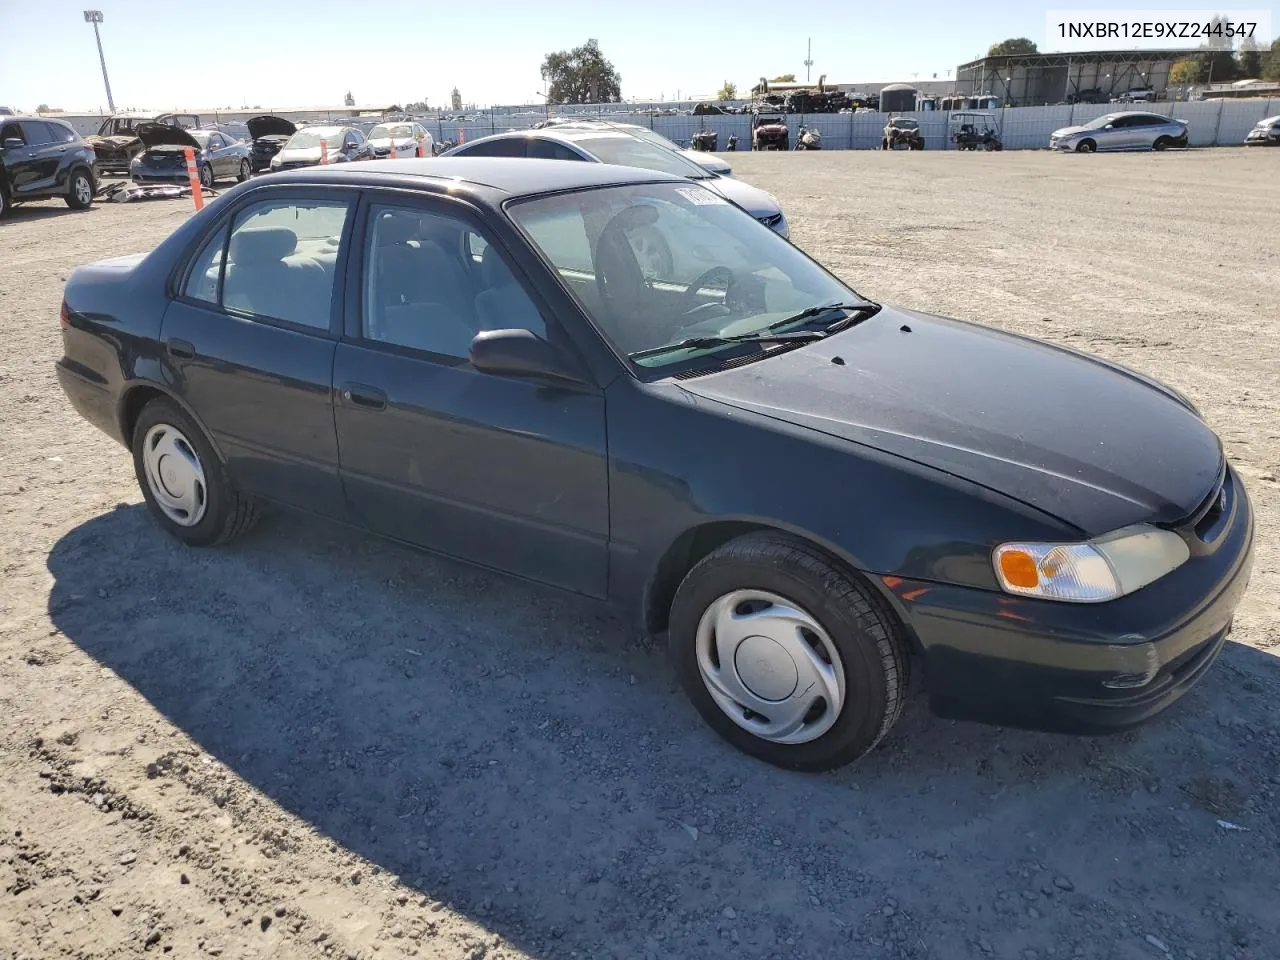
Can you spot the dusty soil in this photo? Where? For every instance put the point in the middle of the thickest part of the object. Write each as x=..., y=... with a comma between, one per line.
x=314, y=744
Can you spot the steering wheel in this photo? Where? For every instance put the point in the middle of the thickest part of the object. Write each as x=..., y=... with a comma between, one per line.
x=688, y=303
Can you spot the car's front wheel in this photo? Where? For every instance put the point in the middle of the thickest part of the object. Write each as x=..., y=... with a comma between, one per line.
x=79, y=191
x=787, y=656
x=183, y=481
x=1086, y=146
x=245, y=171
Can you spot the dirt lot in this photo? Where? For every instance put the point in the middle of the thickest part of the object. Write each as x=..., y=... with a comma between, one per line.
x=312, y=744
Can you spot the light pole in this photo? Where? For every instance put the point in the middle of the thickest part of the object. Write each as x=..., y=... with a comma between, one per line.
x=546, y=101
x=95, y=17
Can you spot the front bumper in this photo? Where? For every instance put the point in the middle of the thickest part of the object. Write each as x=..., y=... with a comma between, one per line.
x=1262, y=140
x=1081, y=668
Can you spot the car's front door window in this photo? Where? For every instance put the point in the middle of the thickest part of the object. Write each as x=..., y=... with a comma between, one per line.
x=432, y=282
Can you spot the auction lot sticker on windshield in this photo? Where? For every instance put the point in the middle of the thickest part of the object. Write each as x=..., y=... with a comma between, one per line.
x=1070, y=31
x=700, y=197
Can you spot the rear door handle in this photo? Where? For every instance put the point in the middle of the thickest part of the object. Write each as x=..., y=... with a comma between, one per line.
x=363, y=395
x=180, y=349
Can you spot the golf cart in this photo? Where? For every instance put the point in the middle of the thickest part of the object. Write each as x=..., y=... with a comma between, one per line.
x=974, y=131
x=902, y=133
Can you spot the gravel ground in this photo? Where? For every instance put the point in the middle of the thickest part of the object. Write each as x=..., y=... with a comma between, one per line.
x=314, y=744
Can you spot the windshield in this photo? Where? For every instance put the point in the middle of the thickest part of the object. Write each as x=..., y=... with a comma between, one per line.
x=311, y=138
x=200, y=138
x=627, y=151
x=905, y=124
x=385, y=131
x=654, y=264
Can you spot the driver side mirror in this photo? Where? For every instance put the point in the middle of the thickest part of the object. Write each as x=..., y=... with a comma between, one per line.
x=520, y=353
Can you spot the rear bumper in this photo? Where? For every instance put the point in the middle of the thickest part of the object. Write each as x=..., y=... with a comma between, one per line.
x=91, y=397
x=1080, y=668
x=178, y=175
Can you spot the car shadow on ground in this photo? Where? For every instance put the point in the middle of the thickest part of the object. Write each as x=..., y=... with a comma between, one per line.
x=527, y=758
x=42, y=210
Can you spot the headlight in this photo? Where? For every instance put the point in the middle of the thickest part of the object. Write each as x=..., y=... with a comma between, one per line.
x=1108, y=567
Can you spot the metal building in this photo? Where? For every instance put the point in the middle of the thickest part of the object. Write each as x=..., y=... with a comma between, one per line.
x=1039, y=78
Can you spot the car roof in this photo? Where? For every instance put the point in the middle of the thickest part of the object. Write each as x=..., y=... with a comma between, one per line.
x=20, y=117
x=514, y=176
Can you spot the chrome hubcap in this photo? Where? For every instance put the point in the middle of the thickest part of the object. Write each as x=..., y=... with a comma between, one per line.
x=770, y=666
x=174, y=475
x=83, y=192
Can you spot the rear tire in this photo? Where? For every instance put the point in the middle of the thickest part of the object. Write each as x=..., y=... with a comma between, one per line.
x=221, y=512
x=1162, y=143
x=850, y=629
x=79, y=190
x=4, y=202
x=1086, y=146
x=206, y=175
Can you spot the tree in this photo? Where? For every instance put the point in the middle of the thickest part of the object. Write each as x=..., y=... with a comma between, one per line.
x=728, y=92
x=1186, y=72
x=1271, y=65
x=349, y=100
x=581, y=75
x=784, y=78
x=1250, y=59
x=1013, y=47
x=45, y=108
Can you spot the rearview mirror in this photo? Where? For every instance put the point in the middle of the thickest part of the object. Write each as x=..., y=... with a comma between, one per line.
x=13, y=143
x=520, y=353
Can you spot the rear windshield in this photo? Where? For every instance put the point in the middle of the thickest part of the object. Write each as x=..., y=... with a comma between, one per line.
x=384, y=131
x=312, y=138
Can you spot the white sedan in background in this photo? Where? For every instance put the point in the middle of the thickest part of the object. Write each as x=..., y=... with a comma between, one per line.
x=400, y=139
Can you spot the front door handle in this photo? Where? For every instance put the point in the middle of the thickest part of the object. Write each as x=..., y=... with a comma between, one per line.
x=180, y=349
x=364, y=396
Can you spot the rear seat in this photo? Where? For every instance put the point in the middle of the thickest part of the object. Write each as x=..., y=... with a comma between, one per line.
x=265, y=278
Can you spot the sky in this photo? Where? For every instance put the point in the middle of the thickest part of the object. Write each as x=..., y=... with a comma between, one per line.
x=236, y=53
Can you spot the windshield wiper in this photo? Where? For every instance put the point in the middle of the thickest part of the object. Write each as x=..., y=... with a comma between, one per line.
x=817, y=309
x=696, y=343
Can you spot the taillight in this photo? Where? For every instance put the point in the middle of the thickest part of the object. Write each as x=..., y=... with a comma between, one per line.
x=64, y=316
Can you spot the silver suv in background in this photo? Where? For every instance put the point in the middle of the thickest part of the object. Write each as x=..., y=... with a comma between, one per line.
x=1129, y=130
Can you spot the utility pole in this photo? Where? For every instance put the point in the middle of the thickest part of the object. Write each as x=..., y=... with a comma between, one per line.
x=95, y=17
x=808, y=60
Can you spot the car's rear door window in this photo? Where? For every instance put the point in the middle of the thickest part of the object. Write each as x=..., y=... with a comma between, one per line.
x=277, y=262
x=507, y=147
x=550, y=150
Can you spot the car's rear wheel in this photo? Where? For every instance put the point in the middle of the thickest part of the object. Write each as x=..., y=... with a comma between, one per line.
x=1162, y=143
x=183, y=481
x=787, y=656
x=245, y=171
x=1086, y=146
x=206, y=175
x=4, y=202
x=79, y=190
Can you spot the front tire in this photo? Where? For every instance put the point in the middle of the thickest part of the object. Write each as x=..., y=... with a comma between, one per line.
x=1086, y=146
x=80, y=191
x=183, y=481
x=245, y=171
x=787, y=656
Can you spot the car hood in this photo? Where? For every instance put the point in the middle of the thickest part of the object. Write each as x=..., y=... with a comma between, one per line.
x=1067, y=131
x=1089, y=442
x=163, y=134
x=708, y=161
x=289, y=154
x=751, y=199
x=268, y=125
